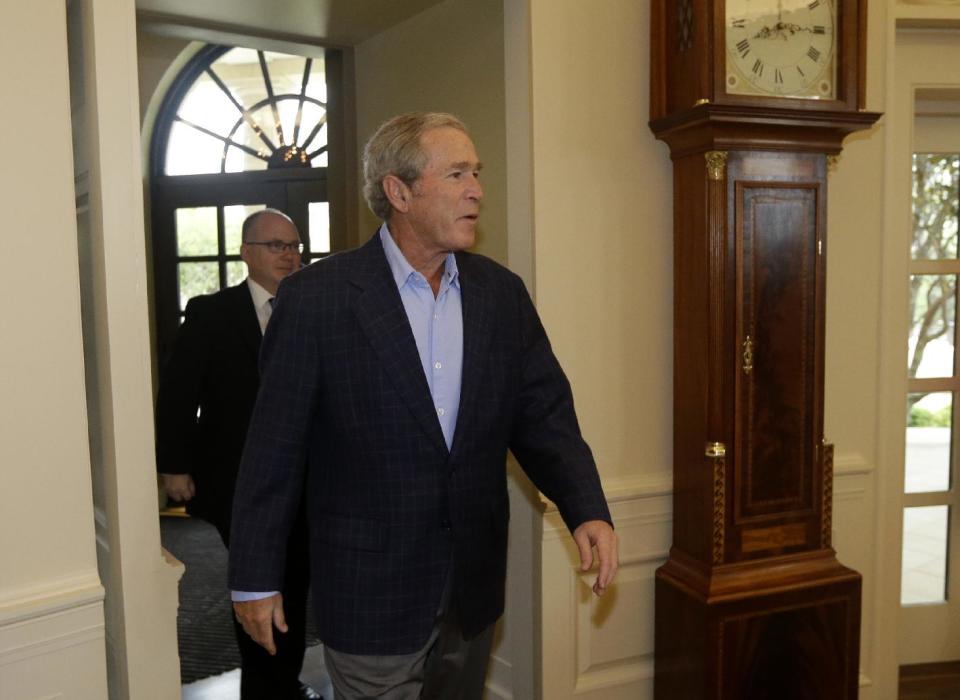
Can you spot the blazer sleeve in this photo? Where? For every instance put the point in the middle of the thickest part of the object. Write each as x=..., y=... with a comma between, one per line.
x=178, y=396
x=546, y=438
x=270, y=482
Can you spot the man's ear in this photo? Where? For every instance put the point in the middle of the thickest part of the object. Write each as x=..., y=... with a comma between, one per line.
x=398, y=193
x=244, y=252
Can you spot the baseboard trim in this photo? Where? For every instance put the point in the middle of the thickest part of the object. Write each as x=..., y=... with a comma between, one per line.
x=50, y=619
x=50, y=597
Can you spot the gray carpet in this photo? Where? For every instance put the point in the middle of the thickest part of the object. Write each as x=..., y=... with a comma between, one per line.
x=204, y=620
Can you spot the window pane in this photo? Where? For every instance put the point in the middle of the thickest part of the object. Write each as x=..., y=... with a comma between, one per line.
x=936, y=189
x=190, y=152
x=239, y=160
x=209, y=106
x=233, y=217
x=240, y=69
x=286, y=72
x=319, y=227
x=933, y=316
x=197, y=278
x=236, y=272
x=196, y=231
x=317, y=84
x=320, y=159
x=924, y=555
x=929, y=422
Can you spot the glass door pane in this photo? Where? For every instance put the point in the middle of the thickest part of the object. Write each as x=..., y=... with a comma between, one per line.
x=196, y=231
x=929, y=442
x=924, y=555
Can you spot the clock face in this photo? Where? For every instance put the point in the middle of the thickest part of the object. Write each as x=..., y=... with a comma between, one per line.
x=782, y=48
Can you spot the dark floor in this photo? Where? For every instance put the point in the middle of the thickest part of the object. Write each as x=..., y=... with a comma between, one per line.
x=204, y=619
x=930, y=681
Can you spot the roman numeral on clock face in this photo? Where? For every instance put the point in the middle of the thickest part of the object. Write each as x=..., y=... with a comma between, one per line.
x=739, y=23
x=814, y=5
x=758, y=67
x=778, y=77
x=744, y=48
x=813, y=54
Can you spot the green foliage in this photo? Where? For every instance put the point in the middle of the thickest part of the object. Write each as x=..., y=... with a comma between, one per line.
x=922, y=418
x=197, y=231
x=935, y=183
x=936, y=199
x=197, y=278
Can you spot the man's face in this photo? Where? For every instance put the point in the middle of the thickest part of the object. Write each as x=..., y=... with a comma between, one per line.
x=267, y=268
x=446, y=197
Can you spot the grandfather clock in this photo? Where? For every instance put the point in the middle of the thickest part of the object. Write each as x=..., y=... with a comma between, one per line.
x=753, y=97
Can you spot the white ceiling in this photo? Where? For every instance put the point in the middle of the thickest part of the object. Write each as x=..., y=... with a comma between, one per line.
x=333, y=22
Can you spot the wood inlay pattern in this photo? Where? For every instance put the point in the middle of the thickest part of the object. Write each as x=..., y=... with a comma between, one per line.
x=719, y=507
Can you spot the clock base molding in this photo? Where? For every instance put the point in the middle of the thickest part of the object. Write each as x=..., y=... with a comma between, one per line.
x=789, y=629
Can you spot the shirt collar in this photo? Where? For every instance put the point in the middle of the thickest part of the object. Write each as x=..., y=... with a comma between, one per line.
x=260, y=295
x=402, y=269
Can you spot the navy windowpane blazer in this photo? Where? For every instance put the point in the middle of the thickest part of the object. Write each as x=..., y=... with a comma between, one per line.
x=344, y=413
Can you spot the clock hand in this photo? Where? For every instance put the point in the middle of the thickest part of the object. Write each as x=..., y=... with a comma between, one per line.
x=781, y=30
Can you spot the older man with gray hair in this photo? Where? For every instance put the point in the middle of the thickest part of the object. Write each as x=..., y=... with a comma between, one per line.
x=395, y=377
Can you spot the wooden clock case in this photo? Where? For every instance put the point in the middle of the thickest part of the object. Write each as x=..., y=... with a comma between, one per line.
x=752, y=603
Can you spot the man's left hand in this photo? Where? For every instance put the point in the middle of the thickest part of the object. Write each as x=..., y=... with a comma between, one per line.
x=599, y=534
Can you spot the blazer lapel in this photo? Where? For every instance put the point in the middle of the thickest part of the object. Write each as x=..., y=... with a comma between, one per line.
x=477, y=303
x=383, y=319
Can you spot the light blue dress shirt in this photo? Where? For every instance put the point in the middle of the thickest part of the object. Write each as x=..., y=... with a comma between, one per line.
x=437, y=325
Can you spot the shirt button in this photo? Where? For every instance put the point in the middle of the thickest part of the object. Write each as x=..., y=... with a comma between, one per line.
x=437, y=365
x=440, y=411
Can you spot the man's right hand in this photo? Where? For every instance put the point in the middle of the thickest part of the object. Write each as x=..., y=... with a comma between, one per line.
x=179, y=487
x=259, y=617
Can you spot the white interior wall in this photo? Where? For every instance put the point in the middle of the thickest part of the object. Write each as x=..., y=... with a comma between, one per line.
x=141, y=583
x=603, y=260
x=448, y=58
x=51, y=610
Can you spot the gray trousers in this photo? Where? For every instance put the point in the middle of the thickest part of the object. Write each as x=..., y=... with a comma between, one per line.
x=446, y=668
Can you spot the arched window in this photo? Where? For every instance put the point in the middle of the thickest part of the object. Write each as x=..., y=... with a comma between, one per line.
x=239, y=129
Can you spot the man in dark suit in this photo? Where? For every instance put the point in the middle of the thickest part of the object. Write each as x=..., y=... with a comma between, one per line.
x=395, y=377
x=207, y=392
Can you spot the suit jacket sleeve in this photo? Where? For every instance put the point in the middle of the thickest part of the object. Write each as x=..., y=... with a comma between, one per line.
x=272, y=471
x=178, y=397
x=546, y=438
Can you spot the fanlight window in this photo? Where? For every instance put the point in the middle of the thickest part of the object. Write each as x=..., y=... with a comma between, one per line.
x=240, y=129
x=251, y=110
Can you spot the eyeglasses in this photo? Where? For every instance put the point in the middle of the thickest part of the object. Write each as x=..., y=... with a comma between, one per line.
x=279, y=247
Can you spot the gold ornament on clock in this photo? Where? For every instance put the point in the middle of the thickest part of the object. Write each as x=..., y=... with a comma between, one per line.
x=781, y=48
